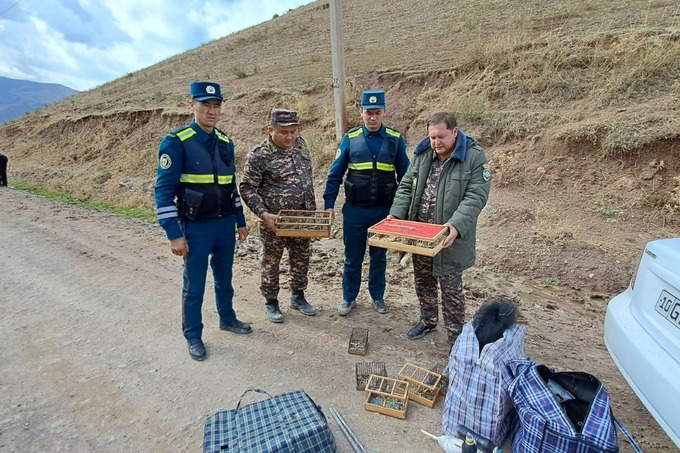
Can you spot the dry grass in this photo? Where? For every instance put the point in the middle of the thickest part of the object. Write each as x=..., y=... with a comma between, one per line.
x=578, y=75
x=617, y=138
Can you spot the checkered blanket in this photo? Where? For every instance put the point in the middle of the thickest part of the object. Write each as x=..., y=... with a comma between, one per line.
x=286, y=423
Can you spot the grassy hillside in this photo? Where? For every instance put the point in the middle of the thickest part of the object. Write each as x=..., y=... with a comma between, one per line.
x=548, y=87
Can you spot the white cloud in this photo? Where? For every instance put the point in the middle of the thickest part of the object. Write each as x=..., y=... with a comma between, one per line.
x=85, y=43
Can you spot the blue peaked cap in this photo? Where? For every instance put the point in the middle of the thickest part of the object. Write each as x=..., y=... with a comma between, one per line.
x=373, y=99
x=202, y=91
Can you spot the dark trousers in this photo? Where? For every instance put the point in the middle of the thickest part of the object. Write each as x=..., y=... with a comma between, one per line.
x=3, y=170
x=356, y=220
x=210, y=241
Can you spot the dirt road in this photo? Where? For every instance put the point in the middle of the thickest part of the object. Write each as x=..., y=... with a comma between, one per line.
x=93, y=358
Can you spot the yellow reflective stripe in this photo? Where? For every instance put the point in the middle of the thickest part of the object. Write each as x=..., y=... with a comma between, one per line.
x=369, y=166
x=392, y=132
x=356, y=133
x=197, y=179
x=221, y=136
x=186, y=133
x=205, y=179
x=361, y=166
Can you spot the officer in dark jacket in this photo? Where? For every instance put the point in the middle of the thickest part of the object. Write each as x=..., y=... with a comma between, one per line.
x=3, y=170
x=199, y=208
x=374, y=157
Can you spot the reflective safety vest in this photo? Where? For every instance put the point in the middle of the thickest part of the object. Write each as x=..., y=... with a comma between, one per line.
x=207, y=187
x=371, y=178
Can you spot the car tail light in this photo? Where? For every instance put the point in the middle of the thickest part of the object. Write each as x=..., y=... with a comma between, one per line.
x=632, y=279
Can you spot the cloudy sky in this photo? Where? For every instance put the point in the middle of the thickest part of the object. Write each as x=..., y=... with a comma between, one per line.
x=85, y=43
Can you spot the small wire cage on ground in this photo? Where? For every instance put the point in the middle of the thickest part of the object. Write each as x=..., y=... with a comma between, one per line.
x=443, y=370
x=358, y=341
x=365, y=369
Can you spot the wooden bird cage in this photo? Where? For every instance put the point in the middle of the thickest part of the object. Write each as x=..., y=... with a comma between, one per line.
x=297, y=223
x=407, y=236
x=423, y=384
x=387, y=396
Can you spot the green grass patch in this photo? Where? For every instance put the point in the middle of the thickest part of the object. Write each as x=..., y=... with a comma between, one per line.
x=606, y=210
x=99, y=206
x=550, y=281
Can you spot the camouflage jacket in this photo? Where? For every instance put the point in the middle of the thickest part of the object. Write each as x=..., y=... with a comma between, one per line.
x=275, y=179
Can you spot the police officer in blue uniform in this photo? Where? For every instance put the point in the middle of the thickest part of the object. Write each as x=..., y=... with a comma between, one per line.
x=199, y=208
x=374, y=158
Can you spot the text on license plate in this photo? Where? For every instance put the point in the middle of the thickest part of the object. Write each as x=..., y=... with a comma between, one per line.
x=669, y=307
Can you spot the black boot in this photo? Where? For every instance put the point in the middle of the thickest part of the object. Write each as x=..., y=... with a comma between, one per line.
x=298, y=302
x=273, y=312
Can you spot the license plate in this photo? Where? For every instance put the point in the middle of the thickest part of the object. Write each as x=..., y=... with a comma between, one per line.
x=669, y=307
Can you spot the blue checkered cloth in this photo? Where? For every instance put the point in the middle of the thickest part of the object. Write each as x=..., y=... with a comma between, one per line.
x=545, y=427
x=286, y=423
x=478, y=396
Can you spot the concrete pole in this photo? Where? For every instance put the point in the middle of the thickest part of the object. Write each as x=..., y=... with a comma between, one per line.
x=338, y=56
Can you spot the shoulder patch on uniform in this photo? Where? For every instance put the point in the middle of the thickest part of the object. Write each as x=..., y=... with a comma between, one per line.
x=486, y=173
x=165, y=162
x=337, y=153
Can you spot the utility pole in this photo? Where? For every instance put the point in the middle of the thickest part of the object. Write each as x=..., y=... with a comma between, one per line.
x=338, y=56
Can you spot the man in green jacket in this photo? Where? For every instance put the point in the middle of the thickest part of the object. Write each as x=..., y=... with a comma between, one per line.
x=447, y=183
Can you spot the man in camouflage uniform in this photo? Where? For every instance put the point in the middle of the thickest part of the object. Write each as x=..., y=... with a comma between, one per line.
x=448, y=184
x=278, y=175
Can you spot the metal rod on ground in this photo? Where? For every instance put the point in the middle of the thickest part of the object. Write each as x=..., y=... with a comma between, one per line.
x=347, y=431
x=348, y=436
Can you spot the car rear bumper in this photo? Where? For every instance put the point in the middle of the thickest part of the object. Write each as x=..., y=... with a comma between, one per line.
x=640, y=358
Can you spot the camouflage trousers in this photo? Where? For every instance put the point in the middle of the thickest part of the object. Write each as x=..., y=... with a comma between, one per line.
x=427, y=290
x=272, y=251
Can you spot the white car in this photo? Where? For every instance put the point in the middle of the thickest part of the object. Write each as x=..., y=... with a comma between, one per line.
x=642, y=333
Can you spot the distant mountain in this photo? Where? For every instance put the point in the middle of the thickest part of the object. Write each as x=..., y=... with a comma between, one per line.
x=20, y=96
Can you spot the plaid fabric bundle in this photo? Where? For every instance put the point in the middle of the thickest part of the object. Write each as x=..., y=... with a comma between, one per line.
x=478, y=395
x=286, y=423
x=562, y=412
